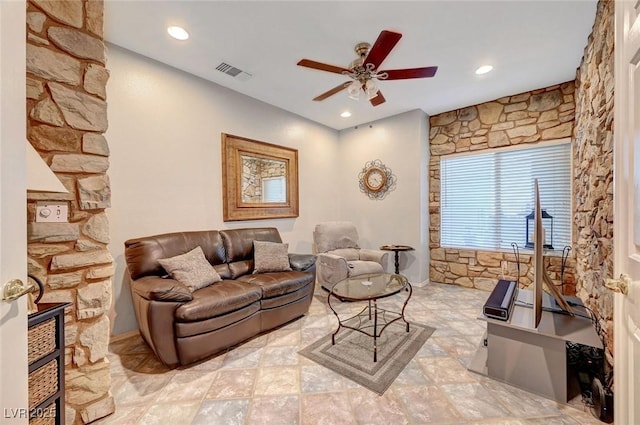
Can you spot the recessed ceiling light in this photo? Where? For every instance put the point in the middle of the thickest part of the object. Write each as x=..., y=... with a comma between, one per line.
x=484, y=69
x=345, y=114
x=178, y=33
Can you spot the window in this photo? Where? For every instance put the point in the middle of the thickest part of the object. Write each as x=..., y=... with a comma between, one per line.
x=274, y=189
x=486, y=197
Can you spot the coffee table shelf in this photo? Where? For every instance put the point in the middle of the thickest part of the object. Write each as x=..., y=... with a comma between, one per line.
x=370, y=288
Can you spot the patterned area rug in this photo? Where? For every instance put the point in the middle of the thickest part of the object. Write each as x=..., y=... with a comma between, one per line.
x=352, y=356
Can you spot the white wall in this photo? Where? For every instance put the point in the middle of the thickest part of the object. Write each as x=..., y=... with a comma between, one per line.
x=165, y=138
x=164, y=135
x=401, y=143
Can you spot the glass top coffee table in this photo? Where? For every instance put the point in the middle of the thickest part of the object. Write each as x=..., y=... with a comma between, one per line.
x=371, y=320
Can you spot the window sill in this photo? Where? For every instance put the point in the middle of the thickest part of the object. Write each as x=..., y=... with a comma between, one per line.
x=522, y=251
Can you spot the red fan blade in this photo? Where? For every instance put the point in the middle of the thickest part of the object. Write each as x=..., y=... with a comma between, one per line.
x=404, y=74
x=384, y=44
x=379, y=99
x=331, y=92
x=322, y=66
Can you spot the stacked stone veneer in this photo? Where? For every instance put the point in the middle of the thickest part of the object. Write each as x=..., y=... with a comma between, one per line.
x=66, y=119
x=593, y=171
x=525, y=118
x=582, y=109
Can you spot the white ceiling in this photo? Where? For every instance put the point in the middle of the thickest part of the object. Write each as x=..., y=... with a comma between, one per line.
x=531, y=44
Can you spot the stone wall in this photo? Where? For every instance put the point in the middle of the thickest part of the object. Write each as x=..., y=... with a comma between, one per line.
x=66, y=119
x=530, y=117
x=593, y=171
x=584, y=110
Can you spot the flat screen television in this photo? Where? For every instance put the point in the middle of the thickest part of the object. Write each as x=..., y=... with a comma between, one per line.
x=538, y=266
x=540, y=276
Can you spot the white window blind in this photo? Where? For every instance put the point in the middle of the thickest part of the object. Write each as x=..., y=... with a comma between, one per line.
x=486, y=197
x=274, y=189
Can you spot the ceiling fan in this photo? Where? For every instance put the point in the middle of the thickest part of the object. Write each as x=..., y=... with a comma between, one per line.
x=364, y=70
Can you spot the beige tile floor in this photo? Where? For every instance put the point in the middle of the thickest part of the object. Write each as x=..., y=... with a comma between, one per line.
x=265, y=381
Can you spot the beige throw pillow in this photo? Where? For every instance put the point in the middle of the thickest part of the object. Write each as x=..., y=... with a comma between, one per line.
x=270, y=257
x=191, y=269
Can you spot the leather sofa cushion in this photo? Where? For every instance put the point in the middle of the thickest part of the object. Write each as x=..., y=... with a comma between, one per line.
x=223, y=270
x=278, y=283
x=186, y=329
x=160, y=289
x=275, y=302
x=238, y=245
x=217, y=299
x=240, y=268
x=356, y=268
x=142, y=254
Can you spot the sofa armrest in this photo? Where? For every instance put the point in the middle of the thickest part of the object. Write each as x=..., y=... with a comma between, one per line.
x=302, y=262
x=376, y=255
x=331, y=269
x=156, y=288
x=156, y=324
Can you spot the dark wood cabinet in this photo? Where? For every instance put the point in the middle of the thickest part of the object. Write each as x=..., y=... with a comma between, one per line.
x=46, y=365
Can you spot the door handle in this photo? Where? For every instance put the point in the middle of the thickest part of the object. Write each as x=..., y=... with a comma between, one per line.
x=620, y=285
x=16, y=288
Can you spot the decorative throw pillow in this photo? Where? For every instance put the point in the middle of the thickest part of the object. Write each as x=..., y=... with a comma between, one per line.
x=191, y=269
x=270, y=257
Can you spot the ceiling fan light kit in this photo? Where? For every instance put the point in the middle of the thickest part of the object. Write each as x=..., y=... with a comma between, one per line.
x=371, y=88
x=353, y=90
x=364, y=72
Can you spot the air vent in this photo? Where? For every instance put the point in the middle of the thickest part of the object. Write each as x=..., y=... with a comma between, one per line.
x=233, y=71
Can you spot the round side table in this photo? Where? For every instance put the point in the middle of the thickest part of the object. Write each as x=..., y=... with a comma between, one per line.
x=396, y=249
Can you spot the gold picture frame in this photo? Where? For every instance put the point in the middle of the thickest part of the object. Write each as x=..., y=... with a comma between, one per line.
x=259, y=180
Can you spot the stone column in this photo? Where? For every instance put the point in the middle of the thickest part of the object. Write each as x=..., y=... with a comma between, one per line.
x=593, y=172
x=66, y=119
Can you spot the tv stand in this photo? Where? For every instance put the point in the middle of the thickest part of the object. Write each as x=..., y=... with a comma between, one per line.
x=525, y=299
x=534, y=359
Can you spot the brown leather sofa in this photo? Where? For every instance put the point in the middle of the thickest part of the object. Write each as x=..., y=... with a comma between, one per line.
x=183, y=327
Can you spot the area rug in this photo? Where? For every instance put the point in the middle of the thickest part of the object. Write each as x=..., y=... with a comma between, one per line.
x=352, y=356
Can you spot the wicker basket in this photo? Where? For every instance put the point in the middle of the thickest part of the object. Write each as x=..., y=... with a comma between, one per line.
x=42, y=339
x=45, y=417
x=43, y=383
